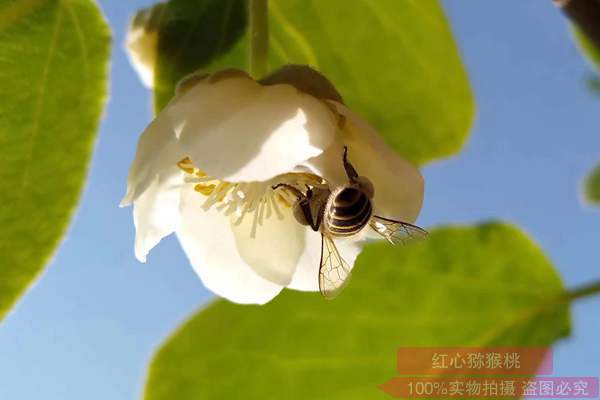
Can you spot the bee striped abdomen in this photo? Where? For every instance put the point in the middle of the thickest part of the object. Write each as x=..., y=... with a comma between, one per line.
x=349, y=211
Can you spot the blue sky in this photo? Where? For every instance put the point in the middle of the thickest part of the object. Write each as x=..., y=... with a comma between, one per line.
x=89, y=326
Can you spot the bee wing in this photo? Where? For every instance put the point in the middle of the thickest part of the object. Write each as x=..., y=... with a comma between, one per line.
x=397, y=232
x=334, y=271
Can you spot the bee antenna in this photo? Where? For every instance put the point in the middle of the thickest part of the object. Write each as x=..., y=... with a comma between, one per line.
x=350, y=171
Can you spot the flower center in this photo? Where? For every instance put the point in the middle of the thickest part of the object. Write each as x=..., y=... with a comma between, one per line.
x=257, y=199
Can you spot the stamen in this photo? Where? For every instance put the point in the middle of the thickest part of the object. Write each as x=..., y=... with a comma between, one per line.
x=261, y=210
x=283, y=200
x=275, y=207
x=258, y=199
x=205, y=189
x=268, y=204
x=254, y=226
x=186, y=165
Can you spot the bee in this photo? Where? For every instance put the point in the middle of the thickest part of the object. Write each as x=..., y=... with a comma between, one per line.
x=344, y=212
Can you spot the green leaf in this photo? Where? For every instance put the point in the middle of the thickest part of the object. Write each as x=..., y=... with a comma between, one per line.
x=586, y=47
x=592, y=187
x=53, y=81
x=191, y=34
x=395, y=62
x=593, y=84
x=465, y=286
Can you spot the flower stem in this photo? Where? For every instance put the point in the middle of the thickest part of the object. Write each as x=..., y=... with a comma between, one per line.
x=259, y=38
x=586, y=290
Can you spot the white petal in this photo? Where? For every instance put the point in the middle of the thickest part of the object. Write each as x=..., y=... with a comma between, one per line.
x=208, y=241
x=237, y=130
x=328, y=164
x=156, y=211
x=398, y=184
x=274, y=248
x=157, y=151
x=307, y=272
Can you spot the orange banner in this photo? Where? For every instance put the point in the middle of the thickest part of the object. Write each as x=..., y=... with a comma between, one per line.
x=474, y=361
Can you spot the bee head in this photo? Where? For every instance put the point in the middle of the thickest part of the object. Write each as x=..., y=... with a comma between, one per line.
x=299, y=213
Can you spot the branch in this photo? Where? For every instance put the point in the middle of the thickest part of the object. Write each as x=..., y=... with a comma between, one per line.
x=259, y=38
x=589, y=289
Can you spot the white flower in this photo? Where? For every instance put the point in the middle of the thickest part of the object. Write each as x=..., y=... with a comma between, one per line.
x=205, y=167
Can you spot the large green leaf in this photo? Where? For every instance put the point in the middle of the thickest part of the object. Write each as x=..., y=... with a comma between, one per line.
x=465, y=286
x=393, y=61
x=191, y=34
x=53, y=80
x=592, y=187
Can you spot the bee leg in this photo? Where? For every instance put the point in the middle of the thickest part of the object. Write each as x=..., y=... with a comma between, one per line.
x=315, y=224
x=309, y=192
x=294, y=190
x=304, y=203
x=350, y=171
x=308, y=215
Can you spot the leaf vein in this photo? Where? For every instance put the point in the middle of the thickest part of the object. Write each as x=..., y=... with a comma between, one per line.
x=35, y=127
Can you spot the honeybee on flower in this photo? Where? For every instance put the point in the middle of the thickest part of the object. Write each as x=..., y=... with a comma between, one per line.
x=227, y=163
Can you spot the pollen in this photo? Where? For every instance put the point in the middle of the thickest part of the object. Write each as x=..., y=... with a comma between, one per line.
x=186, y=165
x=204, y=188
x=256, y=200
